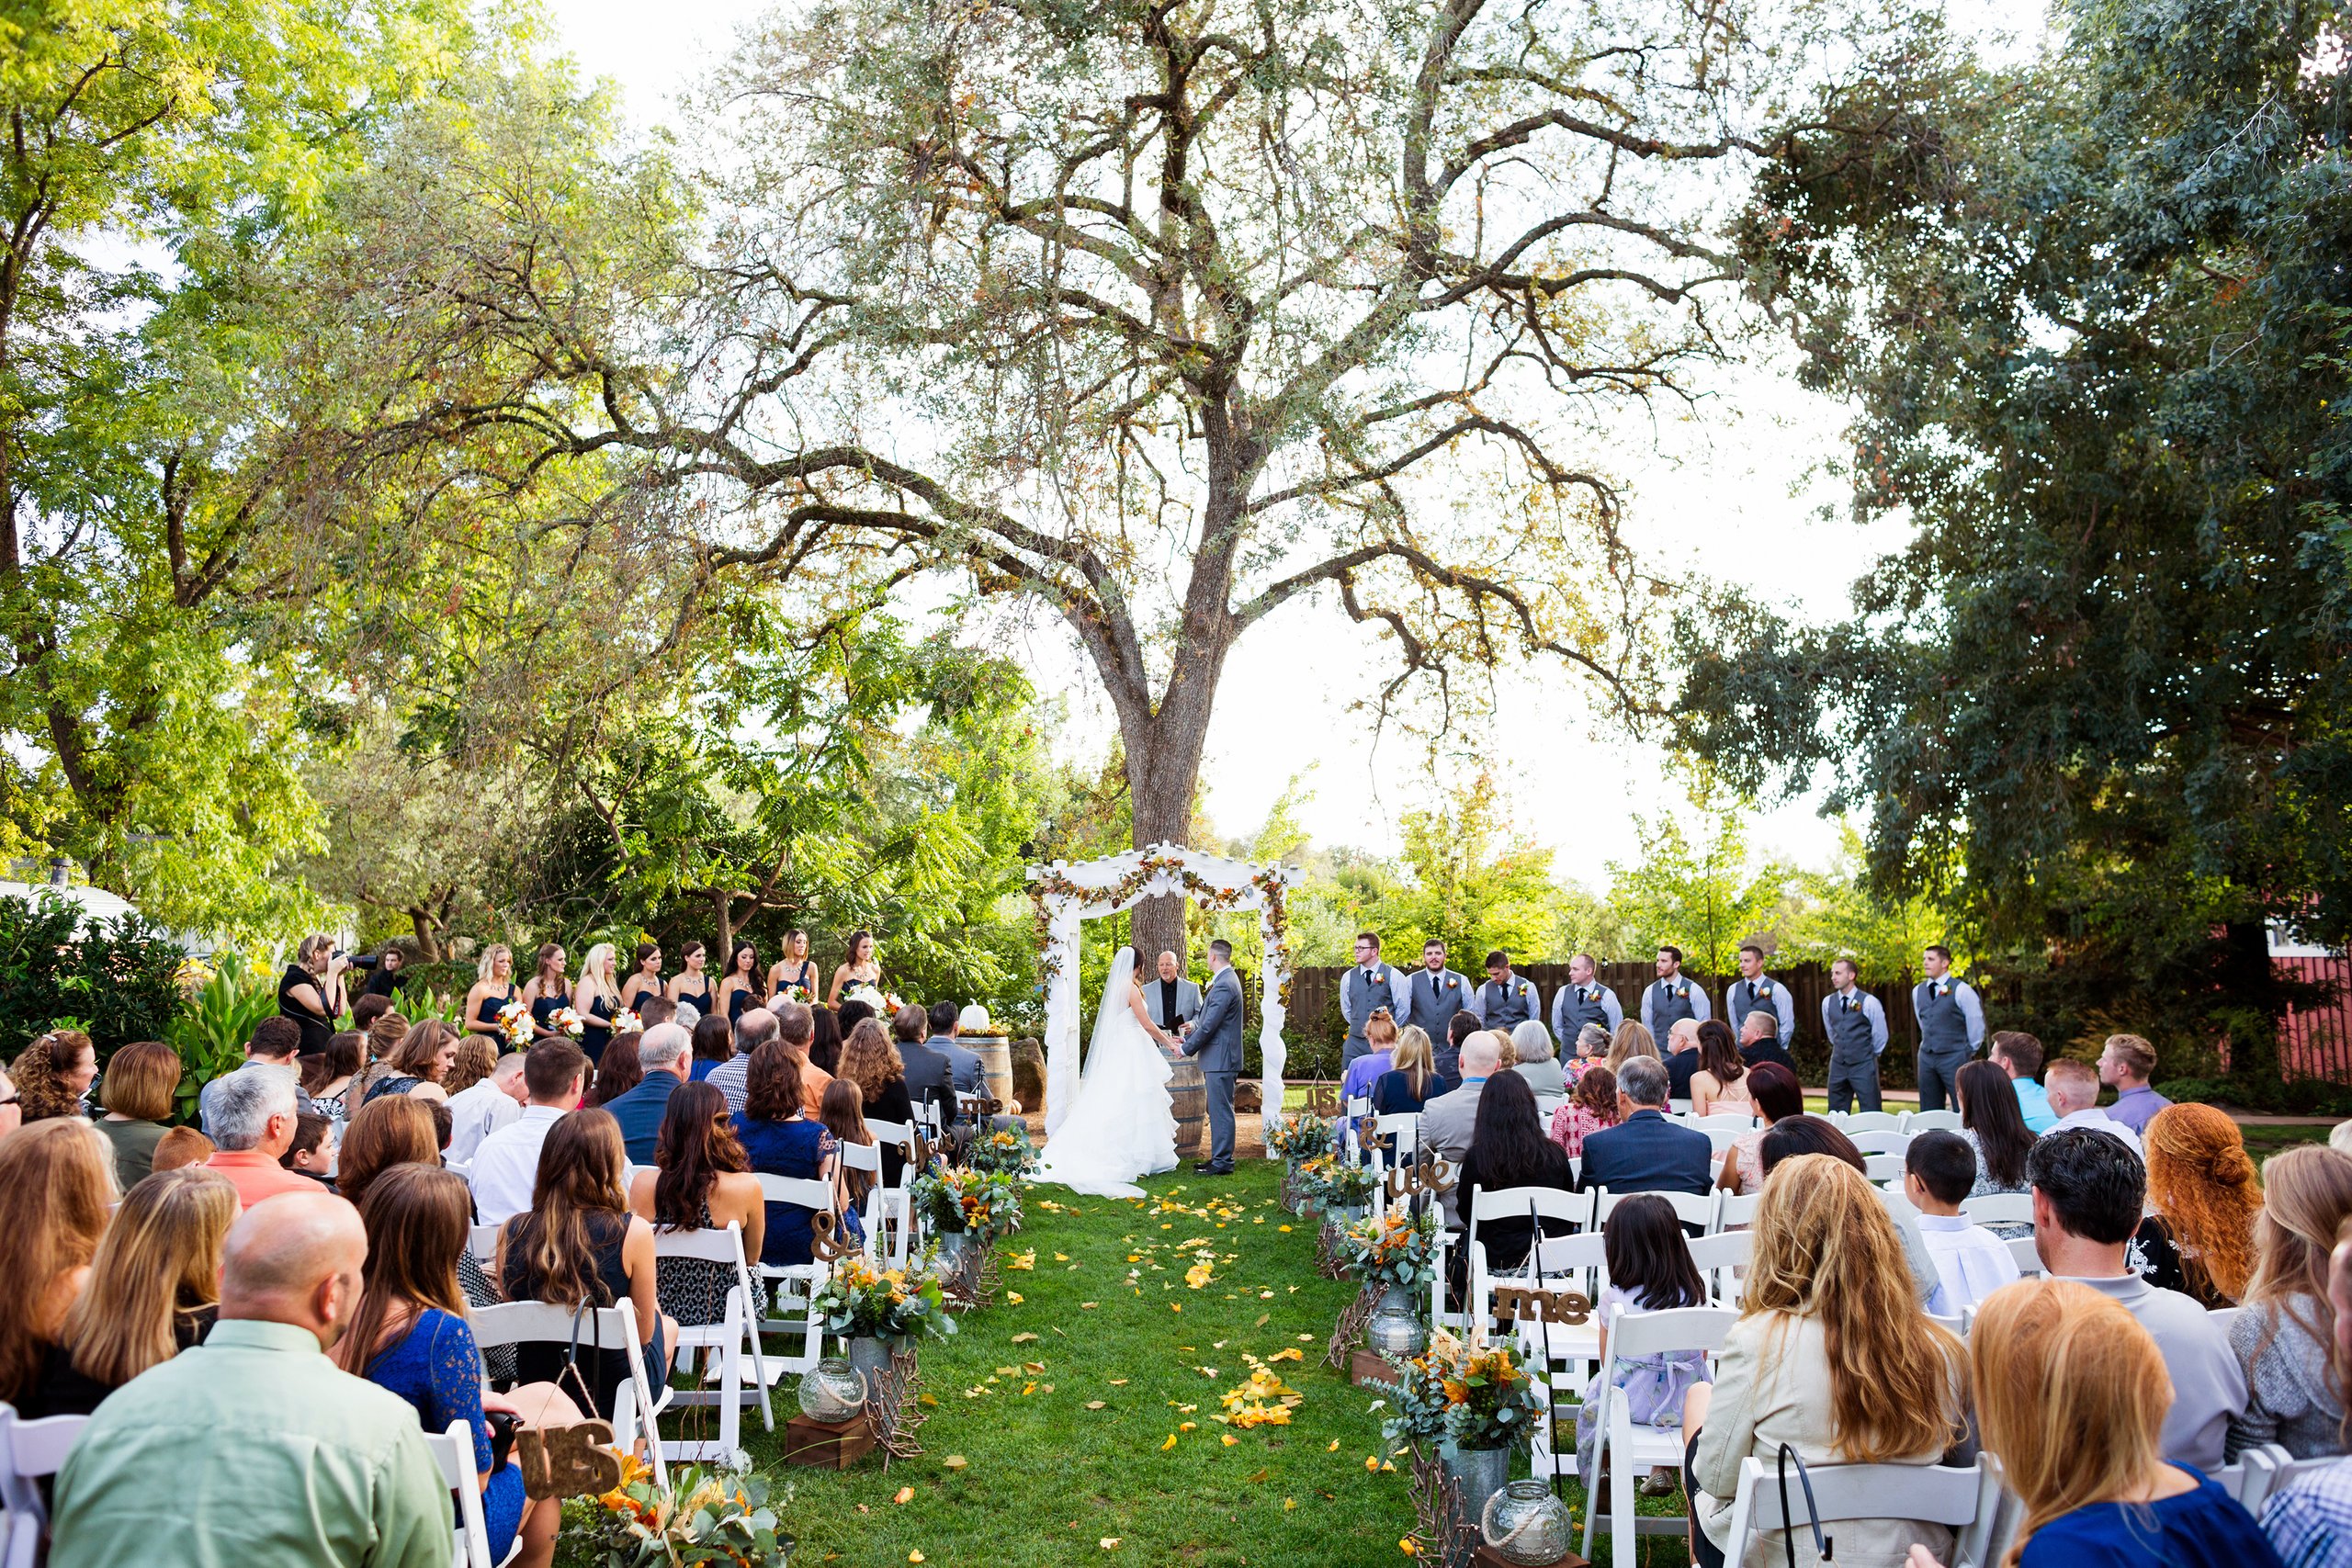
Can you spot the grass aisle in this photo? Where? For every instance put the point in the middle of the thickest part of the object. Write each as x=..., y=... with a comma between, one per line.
x=1063, y=1403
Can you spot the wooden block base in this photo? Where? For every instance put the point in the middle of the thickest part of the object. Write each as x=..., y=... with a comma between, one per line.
x=827, y=1445
x=1488, y=1557
x=1366, y=1366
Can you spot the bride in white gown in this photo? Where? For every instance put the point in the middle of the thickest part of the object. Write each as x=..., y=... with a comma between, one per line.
x=1122, y=1125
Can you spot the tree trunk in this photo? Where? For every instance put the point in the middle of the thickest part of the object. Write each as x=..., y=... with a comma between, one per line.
x=722, y=907
x=428, y=935
x=1163, y=777
x=2250, y=984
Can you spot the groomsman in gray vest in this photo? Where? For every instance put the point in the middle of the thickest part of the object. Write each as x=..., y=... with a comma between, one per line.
x=1584, y=999
x=1755, y=991
x=1365, y=989
x=1506, y=1001
x=1672, y=997
x=1435, y=993
x=1856, y=1025
x=1951, y=1027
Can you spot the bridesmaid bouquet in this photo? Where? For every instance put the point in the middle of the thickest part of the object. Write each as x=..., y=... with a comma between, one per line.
x=883, y=1003
x=625, y=1022
x=563, y=1021
x=514, y=1022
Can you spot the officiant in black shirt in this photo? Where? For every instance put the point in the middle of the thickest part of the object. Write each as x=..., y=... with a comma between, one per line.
x=1171, y=999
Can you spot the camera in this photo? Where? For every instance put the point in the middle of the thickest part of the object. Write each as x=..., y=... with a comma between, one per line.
x=360, y=960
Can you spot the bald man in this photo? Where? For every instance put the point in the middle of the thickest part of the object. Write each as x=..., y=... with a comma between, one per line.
x=252, y=1447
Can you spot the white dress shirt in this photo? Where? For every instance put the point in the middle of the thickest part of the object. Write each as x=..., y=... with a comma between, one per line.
x=474, y=1114
x=2099, y=1121
x=1970, y=1262
x=506, y=1166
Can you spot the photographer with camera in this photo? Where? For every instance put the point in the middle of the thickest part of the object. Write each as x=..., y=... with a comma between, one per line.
x=312, y=991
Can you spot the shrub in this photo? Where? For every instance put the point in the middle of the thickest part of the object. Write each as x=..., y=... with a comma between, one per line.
x=119, y=978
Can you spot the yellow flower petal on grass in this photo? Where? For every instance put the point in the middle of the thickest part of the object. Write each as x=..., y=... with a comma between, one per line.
x=1168, y=1444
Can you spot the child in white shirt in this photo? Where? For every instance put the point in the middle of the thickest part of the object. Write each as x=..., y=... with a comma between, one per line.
x=1938, y=1168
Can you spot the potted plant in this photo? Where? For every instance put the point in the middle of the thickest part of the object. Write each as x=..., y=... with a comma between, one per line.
x=702, y=1516
x=1005, y=1151
x=966, y=1207
x=878, y=1313
x=1396, y=1257
x=1475, y=1402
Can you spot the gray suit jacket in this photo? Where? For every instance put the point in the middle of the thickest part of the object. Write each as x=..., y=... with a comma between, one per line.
x=1446, y=1124
x=1216, y=1038
x=929, y=1077
x=1188, y=1001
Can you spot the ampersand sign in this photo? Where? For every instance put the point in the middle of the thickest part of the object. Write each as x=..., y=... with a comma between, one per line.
x=577, y=1460
x=822, y=1245
x=1525, y=1304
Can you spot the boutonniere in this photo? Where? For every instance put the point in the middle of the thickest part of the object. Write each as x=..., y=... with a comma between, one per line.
x=1679, y=989
x=1763, y=988
x=1453, y=985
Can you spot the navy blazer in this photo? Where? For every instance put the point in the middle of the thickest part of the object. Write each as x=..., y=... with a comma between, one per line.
x=639, y=1113
x=1679, y=1068
x=1646, y=1153
x=930, y=1076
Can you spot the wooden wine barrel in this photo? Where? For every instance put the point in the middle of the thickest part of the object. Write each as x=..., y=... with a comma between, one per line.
x=1188, y=1095
x=995, y=1052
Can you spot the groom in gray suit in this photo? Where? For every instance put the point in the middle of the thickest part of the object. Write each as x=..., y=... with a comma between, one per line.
x=1214, y=1037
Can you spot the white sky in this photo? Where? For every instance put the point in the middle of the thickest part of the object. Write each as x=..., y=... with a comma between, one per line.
x=1732, y=493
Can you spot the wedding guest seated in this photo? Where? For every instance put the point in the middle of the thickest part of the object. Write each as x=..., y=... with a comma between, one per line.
x=714, y=1045
x=848, y=1016
x=1759, y=1043
x=409, y=1335
x=796, y=1027
x=419, y=1064
x=392, y=1132
x=275, y=1042
x=1379, y=1057
x=1645, y=1153
x=475, y=1060
x=824, y=1039
x=1939, y=1168
x=652, y=1011
x=137, y=1093
x=925, y=1071
x=2070, y=1392
x=843, y=1115
x=782, y=1139
x=1650, y=1269
x=2285, y=1338
x=964, y=1068
x=1508, y=1148
x=2309, y=1520
x=1591, y=1050
x=1681, y=1056
x=1774, y=1091
x=1448, y=1122
x=2072, y=1089
x=311, y=1153
x=663, y=1055
x=578, y=1242
x=2203, y=1196
x=1720, y=1085
x=753, y=1029
x=1411, y=1080
x=2126, y=1061
x=477, y=1112
x=254, y=1118
x=252, y=1447
x=506, y=1166
x=1592, y=1107
x=56, y=1185
x=871, y=1062
x=1530, y=1048
x=153, y=1290
x=180, y=1148
x=702, y=1180
x=2088, y=1189
x=1995, y=1127
x=2019, y=1055
x=1833, y=1356
x=382, y=1041
x=617, y=1070
x=371, y=1005
x=1448, y=1053
x=1633, y=1039
x=328, y=1076
x=1793, y=1137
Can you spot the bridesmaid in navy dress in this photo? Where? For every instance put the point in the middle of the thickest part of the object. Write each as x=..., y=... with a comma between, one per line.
x=547, y=992
x=409, y=1335
x=691, y=987
x=644, y=977
x=795, y=971
x=596, y=1001
x=740, y=987
x=492, y=991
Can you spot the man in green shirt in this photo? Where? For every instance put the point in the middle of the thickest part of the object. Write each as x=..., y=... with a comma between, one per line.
x=253, y=1448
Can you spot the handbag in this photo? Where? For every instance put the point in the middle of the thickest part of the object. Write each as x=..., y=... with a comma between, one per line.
x=577, y=1460
x=1812, y=1508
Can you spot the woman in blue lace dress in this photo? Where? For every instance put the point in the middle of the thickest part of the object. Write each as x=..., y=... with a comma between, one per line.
x=409, y=1335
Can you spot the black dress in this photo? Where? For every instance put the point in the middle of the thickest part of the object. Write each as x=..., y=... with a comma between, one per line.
x=543, y=1014
x=698, y=1000
x=492, y=1005
x=316, y=1031
x=806, y=978
x=605, y=1368
x=891, y=1105
x=597, y=1034
x=61, y=1389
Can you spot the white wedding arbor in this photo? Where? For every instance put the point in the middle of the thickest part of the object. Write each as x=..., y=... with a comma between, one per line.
x=1068, y=895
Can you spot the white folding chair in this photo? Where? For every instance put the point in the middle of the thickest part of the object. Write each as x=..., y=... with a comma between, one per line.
x=885, y=1208
x=1882, y=1168
x=1917, y=1122
x=2252, y=1479
x=1720, y=1256
x=1488, y=1205
x=1853, y=1122
x=1561, y=1355
x=2286, y=1470
x=1723, y=1121
x=610, y=1329
x=1691, y=1208
x=721, y=1342
x=1881, y=1143
x=1628, y=1452
x=794, y=1286
x=1956, y=1325
x=1547, y=1105
x=2021, y=1247
x=1736, y=1209
x=1999, y=1208
x=31, y=1450
x=1964, y=1498
x=1678, y=1108
x=2221, y=1317
x=453, y=1451
x=482, y=1242
x=1403, y=1134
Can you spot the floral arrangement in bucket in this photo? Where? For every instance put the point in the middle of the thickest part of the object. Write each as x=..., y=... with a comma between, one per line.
x=1303, y=1137
x=1464, y=1392
x=702, y=1516
x=1395, y=1251
x=893, y=1306
x=981, y=1204
x=1006, y=1151
x=1332, y=1183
